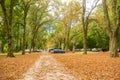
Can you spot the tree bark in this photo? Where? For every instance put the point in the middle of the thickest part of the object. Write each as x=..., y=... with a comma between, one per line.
x=25, y=8
x=85, y=42
x=85, y=23
x=8, y=24
x=113, y=46
x=10, y=43
x=2, y=47
x=17, y=39
x=114, y=38
x=84, y=28
x=74, y=44
x=24, y=35
x=33, y=42
x=67, y=38
x=112, y=32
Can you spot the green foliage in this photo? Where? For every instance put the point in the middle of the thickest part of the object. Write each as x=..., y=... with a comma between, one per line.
x=118, y=1
x=96, y=36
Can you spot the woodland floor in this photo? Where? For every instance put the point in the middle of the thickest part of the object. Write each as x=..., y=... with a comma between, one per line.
x=13, y=68
x=42, y=66
x=93, y=66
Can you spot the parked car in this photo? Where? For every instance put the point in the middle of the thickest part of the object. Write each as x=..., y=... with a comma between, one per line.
x=95, y=50
x=49, y=50
x=104, y=50
x=82, y=49
x=27, y=50
x=57, y=51
x=118, y=49
x=89, y=49
x=77, y=50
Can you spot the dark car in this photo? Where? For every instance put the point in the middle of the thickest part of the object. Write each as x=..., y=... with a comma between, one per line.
x=50, y=49
x=57, y=51
x=104, y=50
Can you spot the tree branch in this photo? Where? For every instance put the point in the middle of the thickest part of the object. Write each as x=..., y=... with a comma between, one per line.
x=107, y=18
x=93, y=8
x=118, y=21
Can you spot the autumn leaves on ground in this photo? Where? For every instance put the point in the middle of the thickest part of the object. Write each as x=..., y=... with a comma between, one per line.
x=93, y=66
x=13, y=68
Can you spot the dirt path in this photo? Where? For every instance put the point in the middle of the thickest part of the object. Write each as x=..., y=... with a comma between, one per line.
x=47, y=68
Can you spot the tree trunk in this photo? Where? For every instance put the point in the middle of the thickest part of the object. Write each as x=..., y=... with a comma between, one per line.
x=24, y=38
x=2, y=44
x=20, y=44
x=74, y=40
x=10, y=43
x=113, y=46
x=10, y=46
x=32, y=48
x=26, y=9
x=85, y=42
x=17, y=42
x=66, y=44
x=84, y=19
x=60, y=43
x=2, y=47
x=85, y=22
x=8, y=24
x=33, y=42
x=24, y=34
x=114, y=29
x=67, y=39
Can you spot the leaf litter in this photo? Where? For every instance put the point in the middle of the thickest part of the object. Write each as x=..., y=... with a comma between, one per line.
x=94, y=66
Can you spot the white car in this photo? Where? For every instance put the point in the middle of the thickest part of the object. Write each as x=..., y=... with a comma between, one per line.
x=95, y=50
x=27, y=50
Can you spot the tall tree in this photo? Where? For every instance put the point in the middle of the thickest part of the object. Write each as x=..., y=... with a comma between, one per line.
x=8, y=17
x=112, y=26
x=25, y=6
x=17, y=28
x=85, y=21
x=70, y=19
x=75, y=35
x=39, y=18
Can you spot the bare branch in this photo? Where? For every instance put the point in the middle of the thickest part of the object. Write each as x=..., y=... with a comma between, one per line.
x=93, y=7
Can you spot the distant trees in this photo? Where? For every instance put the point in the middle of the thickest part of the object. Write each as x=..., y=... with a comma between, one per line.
x=70, y=18
x=3, y=40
